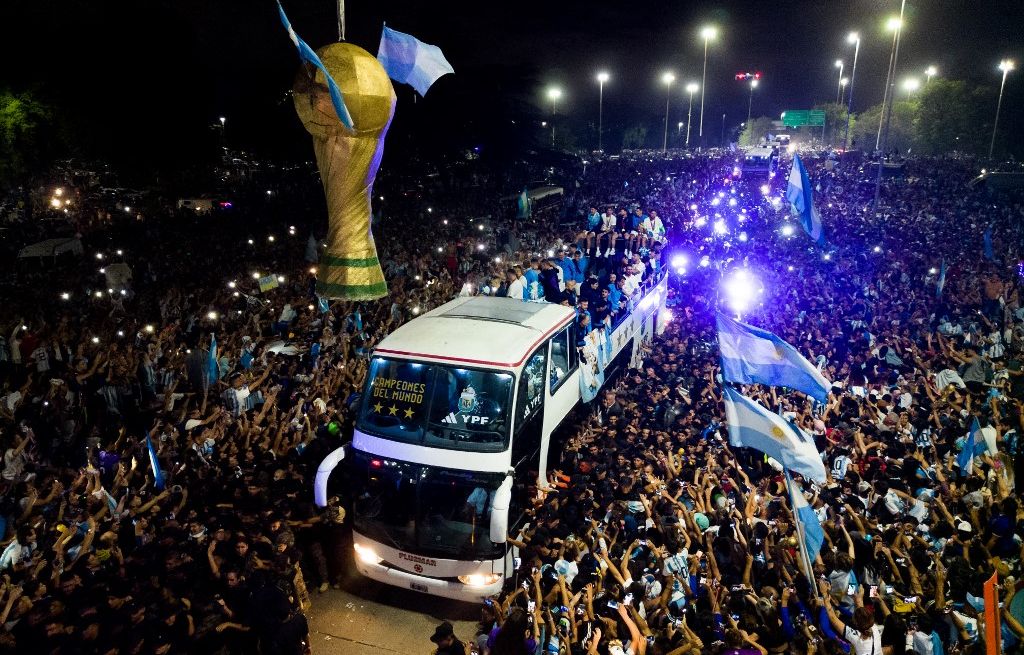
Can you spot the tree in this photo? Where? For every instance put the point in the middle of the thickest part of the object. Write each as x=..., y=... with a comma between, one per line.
x=23, y=148
x=634, y=137
x=835, y=122
x=864, y=131
x=755, y=131
x=949, y=118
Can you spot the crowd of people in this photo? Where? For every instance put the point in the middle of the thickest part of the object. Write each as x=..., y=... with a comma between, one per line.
x=656, y=536
x=154, y=501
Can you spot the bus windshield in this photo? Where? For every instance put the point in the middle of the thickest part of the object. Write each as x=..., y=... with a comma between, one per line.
x=424, y=509
x=439, y=406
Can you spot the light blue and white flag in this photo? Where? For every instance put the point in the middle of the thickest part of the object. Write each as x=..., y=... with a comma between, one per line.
x=323, y=304
x=753, y=426
x=987, y=241
x=801, y=199
x=942, y=280
x=813, y=535
x=212, y=365
x=751, y=355
x=309, y=56
x=411, y=61
x=523, y=205
x=154, y=462
x=965, y=460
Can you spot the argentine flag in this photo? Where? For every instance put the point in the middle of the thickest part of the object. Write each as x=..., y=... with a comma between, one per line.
x=753, y=426
x=411, y=61
x=154, y=463
x=801, y=199
x=965, y=460
x=212, y=364
x=751, y=355
x=812, y=533
x=309, y=56
x=942, y=280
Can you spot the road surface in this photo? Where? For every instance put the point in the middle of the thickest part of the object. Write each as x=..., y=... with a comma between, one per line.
x=365, y=617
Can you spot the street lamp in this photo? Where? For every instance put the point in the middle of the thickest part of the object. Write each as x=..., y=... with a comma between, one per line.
x=667, y=79
x=896, y=25
x=602, y=77
x=911, y=84
x=839, y=89
x=707, y=33
x=691, y=88
x=1006, y=66
x=929, y=73
x=853, y=38
x=750, y=101
x=554, y=93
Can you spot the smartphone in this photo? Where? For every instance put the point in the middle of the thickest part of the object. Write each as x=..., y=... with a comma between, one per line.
x=643, y=542
x=628, y=600
x=888, y=588
x=851, y=590
x=873, y=591
x=613, y=605
x=531, y=606
x=517, y=562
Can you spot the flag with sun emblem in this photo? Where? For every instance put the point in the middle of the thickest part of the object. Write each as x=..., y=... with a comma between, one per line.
x=752, y=425
x=751, y=355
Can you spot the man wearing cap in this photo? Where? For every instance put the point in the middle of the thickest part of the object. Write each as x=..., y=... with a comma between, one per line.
x=447, y=643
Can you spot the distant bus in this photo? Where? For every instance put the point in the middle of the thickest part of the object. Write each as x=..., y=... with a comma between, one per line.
x=760, y=161
x=454, y=435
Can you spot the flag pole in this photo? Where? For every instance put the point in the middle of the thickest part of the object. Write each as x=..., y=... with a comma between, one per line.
x=341, y=20
x=805, y=557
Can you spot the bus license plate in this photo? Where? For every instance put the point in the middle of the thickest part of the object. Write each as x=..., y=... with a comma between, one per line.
x=415, y=586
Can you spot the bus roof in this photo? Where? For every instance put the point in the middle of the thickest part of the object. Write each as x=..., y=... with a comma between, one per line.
x=478, y=331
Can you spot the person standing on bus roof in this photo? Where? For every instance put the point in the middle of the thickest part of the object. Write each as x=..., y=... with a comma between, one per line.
x=550, y=287
x=578, y=267
x=515, y=285
x=534, y=290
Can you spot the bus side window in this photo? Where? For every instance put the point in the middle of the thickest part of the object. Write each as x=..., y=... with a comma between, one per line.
x=560, y=354
x=574, y=353
x=529, y=405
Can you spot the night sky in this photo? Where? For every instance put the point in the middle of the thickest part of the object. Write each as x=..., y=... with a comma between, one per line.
x=167, y=69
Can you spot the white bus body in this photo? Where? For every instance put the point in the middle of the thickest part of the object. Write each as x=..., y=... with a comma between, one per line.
x=454, y=430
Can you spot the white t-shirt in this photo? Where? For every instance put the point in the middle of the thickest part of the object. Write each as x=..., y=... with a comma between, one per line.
x=42, y=359
x=865, y=645
x=14, y=465
x=515, y=289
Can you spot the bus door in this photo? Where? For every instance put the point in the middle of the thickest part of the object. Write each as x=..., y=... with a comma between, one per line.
x=529, y=429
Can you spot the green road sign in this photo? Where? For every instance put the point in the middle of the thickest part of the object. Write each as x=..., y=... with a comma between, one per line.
x=803, y=117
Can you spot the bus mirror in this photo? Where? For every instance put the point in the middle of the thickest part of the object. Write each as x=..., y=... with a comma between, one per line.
x=499, y=511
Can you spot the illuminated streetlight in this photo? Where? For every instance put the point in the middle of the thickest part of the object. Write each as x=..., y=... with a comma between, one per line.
x=708, y=32
x=929, y=73
x=839, y=91
x=750, y=101
x=602, y=77
x=554, y=94
x=691, y=88
x=911, y=84
x=852, y=38
x=667, y=79
x=1006, y=66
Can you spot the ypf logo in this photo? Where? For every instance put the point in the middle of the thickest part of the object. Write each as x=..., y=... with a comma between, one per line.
x=418, y=568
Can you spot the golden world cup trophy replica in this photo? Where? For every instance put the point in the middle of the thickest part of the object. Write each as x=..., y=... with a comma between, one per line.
x=348, y=160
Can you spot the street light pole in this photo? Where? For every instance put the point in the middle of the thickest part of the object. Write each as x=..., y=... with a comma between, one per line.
x=602, y=77
x=691, y=88
x=891, y=88
x=890, y=81
x=839, y=89
x=707, y=33
x=554, y=93
x=750, y=101
x=668, y=78
x=1006, y=66
x=852, y=38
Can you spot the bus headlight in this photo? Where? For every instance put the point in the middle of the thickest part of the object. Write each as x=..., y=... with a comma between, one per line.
x=366, y=555
x=479, y=579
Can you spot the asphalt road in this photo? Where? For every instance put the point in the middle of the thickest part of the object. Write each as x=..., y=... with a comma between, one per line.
x=365, y=617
